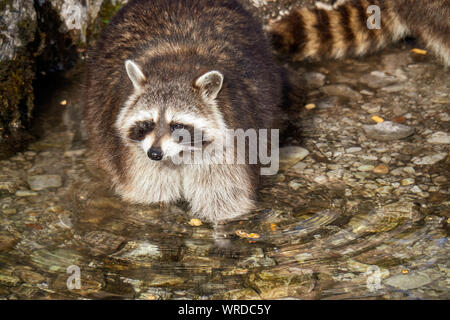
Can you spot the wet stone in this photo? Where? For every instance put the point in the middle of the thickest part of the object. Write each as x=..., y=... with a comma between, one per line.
x=41, y=182
x=429, y=160
x=387, y=130
x=341, y=90
x=314, y=80
x=25, y=193
x=55, y=261
x=291, y=155
x=138, y=251
x=377, y=79
x=439, y=138
x=30, y=276
x=101, y=242
x=408, y=281
x=7, y=242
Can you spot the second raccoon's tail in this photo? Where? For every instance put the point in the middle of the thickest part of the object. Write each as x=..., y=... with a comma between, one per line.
x=339, y=31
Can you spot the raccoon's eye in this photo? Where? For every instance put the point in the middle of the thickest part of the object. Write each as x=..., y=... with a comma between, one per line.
x=140, y=130
x=176, y=126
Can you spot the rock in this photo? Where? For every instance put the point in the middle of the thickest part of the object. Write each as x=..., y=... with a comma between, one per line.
x=381, y=169
x=394, y=88
x=17, y=31
x=42, y=182
x=321, y=179
x=407, y=182
x=341, y=90
x=100, y=242
x=366, y=168
x=78, y=16
x=8, y=186
x=9, y=211
x=55, y=261
x=25, y=193
x=429, y=160
x=291, y=155
x=353, y=150
x=138, y=251
x=328, y=102
x=29, y=276
x=314, y=80
x=388, y=130
x=7, y=242
x=165, y=280
x=295, y=185
x=408, y=281
x=50, y=32
x=439, y=138
x=377, y=79
x=371, y=107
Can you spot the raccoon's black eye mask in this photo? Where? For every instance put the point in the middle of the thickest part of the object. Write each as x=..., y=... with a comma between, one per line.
x=140, y=130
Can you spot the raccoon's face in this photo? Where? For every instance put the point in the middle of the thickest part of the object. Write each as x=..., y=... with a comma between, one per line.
x=166, y=120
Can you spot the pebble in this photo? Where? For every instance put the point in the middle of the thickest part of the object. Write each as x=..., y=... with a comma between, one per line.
x=385, y=159
x=381, y=169
x=328, y=102
x=429, y=160
x=371, y=107
x=195, y=222
x=377, y=79
x=291, y=155
x=353, y=150
x=25, y=193
x=314, y=80
x=394, y=88
x=366, y=92
x=9, y=211
x=295, y=185
x=137, y=250
x=310, y=106
x=408, y=281
x=41, y=182
x=55, y=261
x=30, y=276
x=321, y=179
x=365, y=168
x=388, y=130
x=7, y=242
x=407, y=182
x=8, y=186
x=409, y=170
x=341, y=90
x=439, y=138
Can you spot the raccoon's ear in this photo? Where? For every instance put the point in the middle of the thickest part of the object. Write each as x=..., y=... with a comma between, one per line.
x=135, y=74
x=210, y=84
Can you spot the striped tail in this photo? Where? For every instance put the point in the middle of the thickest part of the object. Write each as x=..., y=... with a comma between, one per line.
x=336, y=32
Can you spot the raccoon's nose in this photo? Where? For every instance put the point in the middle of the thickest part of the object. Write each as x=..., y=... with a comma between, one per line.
x=155, y=154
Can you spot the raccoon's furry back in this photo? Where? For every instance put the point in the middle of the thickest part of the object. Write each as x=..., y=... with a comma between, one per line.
x=342, y=30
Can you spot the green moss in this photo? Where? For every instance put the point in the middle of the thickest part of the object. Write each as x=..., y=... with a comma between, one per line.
x=4, y=3
x=107, y=11
x=16, y=89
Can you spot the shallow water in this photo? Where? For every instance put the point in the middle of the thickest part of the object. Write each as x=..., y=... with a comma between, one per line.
x=324, y=228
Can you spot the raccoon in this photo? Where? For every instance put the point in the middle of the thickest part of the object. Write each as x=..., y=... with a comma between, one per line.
x=163, y=66
x=341, y=30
